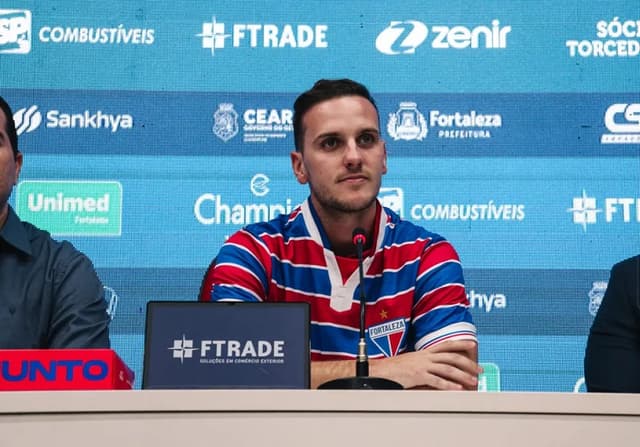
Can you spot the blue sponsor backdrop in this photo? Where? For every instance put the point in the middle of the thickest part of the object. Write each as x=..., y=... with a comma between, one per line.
x=513, y=129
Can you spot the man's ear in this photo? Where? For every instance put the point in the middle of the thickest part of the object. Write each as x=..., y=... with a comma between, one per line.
x=18, y=162
x=384, y=160
x=297, y=164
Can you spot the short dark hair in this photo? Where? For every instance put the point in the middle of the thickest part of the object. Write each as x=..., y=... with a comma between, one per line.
x=323, y=90
x=10, y=127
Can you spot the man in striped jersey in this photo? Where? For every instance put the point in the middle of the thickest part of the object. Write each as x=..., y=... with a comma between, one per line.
x=419, y=330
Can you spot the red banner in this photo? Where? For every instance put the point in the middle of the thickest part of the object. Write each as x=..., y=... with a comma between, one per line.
x=63, y=369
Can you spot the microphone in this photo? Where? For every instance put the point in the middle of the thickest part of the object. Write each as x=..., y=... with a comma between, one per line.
x=362, y=380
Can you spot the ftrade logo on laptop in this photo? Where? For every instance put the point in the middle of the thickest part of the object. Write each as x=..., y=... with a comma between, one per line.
x=15, y=31
x=72, y=208
x=224, y=351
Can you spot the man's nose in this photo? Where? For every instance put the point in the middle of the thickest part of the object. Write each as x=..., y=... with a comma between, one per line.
x=352, y=156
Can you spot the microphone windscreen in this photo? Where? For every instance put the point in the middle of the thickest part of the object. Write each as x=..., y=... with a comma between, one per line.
x=359, y=236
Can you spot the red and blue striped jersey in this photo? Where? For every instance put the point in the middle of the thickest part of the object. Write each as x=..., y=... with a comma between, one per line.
x=413, y=283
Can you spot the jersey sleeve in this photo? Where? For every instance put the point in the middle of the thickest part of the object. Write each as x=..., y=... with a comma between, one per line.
x=441, y=309
x=242, y=270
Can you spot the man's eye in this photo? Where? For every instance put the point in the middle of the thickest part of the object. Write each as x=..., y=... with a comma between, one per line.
x=367, y=139
x=330, y=143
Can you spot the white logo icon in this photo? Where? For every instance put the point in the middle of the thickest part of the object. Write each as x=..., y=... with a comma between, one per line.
x=213, y=35
x=15, y=31
x=27, y=120
x=584, y=210
x=401, y=37
x=595, y=296
x=580, y=386
x=182, y=349
x=259, y=185
x=407, y=123
x=225, y=122
x=392, y=198
x=623, y=121
x=112, y=299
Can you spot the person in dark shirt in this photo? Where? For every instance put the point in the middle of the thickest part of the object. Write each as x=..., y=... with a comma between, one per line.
x=50, y=294
x=612, y=358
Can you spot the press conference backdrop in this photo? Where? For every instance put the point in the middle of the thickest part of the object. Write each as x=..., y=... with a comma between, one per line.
x=152, y=130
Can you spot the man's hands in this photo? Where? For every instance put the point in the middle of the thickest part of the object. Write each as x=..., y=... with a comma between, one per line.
x=450, y=365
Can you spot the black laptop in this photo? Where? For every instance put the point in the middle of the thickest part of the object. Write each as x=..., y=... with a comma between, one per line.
x=226, y=345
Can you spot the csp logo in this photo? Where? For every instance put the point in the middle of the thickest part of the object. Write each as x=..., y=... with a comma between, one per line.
x=623, y=123
x=27, y=120
x=15, y=31
x=401, y=37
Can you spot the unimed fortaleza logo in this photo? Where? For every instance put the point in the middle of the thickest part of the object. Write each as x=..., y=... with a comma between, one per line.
x=72, y=208
x=405, y=36
x=28, y=119
x=15, y=31
x=227, y=351
x=586, y=210
x=623, y=123
x=489, y=380
x=216, y=36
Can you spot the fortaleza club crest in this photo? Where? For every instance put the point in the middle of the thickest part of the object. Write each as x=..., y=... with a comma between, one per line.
x=225, y=122
x=389, y=336
x=407, y=123
x=595, y=296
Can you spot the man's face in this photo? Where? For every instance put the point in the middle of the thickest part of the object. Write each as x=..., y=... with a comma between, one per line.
x=343, y=158
x=9, y=167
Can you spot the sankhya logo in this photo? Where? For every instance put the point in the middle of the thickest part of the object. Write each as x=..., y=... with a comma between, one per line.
x=30, y=118
x=27, y=119
x=404, y=37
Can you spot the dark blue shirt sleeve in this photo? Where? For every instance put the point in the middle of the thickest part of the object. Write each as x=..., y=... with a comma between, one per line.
x=612, y=358
x=79, y=316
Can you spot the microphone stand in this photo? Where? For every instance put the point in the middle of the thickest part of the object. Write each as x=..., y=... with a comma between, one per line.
x=362, y=380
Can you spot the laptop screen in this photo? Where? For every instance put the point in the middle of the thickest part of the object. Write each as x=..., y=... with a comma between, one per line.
x=192, y=344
